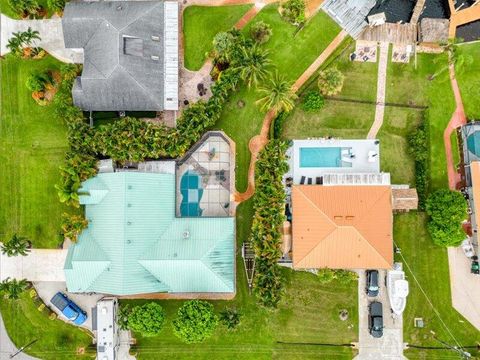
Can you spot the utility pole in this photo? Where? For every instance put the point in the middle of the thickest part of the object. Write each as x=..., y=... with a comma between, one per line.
x=23, y=348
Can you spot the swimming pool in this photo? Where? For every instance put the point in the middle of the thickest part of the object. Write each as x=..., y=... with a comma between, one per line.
x=473, y=143
x=320, y=157
x=191, y=190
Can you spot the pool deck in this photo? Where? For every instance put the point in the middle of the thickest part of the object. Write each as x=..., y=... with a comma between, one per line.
x=362, y=162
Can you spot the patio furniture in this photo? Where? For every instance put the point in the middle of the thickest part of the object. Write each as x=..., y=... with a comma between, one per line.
x=347, y=159
x=372, y=154
x=302, y=180
x=309, y=181
x=318, y=180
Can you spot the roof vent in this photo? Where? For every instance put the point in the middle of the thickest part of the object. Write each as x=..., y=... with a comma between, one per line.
x=186, y=234
x=119, y=7
x=155, y=57
x=155, y=38
x=129, y=241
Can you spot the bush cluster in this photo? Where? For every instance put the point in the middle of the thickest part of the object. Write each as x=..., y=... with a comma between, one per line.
x=420, y=150
x=293, y=11
x=147, y=319
x=447, y=210
x=326, y=275
x=196, y=320
x=313, y=102
x=261, y=32
x=269, y=205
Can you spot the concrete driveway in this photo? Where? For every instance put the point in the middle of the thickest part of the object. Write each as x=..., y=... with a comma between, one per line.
x=47, y=289
x=390, y=345
x=51, y=34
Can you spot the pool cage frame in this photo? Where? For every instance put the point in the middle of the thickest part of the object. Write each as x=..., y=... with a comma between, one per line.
x=467, y=157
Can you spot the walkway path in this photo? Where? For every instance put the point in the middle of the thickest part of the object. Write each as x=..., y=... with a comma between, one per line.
x=258, y=142
x=381, y=82
x=7, y=347
x=458, y=119
x=51, y=34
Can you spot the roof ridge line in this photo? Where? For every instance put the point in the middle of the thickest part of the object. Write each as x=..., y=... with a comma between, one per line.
x=141, y=15
x=141, y=86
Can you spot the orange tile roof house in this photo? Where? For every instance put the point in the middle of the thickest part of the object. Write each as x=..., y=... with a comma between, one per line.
x=342, y=227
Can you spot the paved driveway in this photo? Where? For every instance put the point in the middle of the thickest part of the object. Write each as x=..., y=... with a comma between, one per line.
x=390, y=345
x=46, y=290
x=51, y=34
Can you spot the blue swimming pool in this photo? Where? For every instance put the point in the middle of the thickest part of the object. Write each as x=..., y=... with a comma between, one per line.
x=191, y=190
x=473, y=143
x=320, y=157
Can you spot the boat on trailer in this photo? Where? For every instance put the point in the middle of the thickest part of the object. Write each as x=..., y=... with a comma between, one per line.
x=397, y=288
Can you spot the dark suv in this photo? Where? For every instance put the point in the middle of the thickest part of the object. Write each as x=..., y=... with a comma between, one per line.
x=372, y=283
x=375, y=319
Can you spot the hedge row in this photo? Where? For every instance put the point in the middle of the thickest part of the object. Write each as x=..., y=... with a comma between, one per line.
x=419, y=142
x=266, y=237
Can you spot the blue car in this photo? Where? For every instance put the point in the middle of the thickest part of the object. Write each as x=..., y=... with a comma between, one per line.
x=68, y=308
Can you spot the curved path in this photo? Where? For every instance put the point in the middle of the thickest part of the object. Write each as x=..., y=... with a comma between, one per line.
x=258, y=142
x=458, y=119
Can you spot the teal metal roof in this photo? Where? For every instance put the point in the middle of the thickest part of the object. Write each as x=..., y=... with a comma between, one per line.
x=134, y=244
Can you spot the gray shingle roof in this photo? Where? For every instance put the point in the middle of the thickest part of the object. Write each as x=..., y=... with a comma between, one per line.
x=123, y=44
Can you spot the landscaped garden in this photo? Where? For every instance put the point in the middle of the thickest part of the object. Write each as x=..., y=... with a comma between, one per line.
x=32, y=147
x=201, y=24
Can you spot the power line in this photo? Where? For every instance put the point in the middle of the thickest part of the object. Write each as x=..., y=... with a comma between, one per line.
x=428, y=299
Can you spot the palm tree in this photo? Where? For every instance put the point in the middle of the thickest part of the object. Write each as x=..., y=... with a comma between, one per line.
x=17, y=245
x=254, y=64
x=30, y=35
x=15, y=43
x=279, y=95
x=13, y=288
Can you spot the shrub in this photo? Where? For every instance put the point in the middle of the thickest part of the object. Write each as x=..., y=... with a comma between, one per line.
x=446, y=210
x=35, y=82
x=73, y=225
x=330, y=81
x=293, y=11
x=195, y=321
x=147, y=319
x=122, y=316
x=269, y=206
x=420, y=150
x=230, y=318
x=278, y=125
x=56, y=6
x=261, y=32
x=24, y=8
x=326, y=275
x=313, y=102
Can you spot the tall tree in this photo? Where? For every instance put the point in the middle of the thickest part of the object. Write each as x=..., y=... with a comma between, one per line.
x=254, y=65
x=278, y=95
x=13, y=288
x=17, y=245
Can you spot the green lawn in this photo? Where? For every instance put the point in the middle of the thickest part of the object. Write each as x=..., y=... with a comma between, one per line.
x=468, y=77
x=32, y=147
x=429, y=265
x=394, y=155
x=307, y=314
x=339, y=119
x=201, y=24
x=291, y=55
x=409, y=85
x=55, y=338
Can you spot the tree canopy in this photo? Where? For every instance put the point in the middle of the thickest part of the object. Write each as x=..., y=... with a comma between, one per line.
x=446, y=210
x=147, y=319
x=195, y=322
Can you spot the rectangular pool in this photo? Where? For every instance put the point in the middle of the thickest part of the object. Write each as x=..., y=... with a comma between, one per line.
x=321, y=157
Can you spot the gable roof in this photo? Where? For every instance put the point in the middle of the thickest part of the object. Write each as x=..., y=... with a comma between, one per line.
x=134, y=244
x=342, y=227
x=124, y=46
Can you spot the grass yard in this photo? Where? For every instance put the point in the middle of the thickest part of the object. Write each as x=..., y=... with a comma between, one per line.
x=429, y=265
x=201, y=24
x=32, y=147
x=242, y=123
x=339, y=119
x=407, y=85
x=468, y=77
x=394, y=155
x=55, y=338
x=307, y=315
